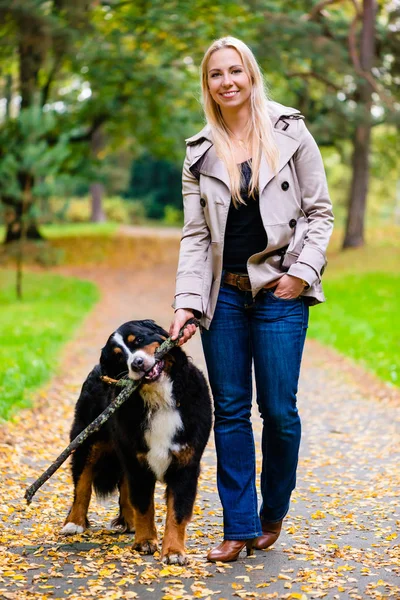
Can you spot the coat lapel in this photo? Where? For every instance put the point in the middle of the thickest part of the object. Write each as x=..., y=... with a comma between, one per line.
x=287, y=146
x=213, y=166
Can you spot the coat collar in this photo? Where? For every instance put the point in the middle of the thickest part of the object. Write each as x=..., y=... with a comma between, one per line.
x=286, y=141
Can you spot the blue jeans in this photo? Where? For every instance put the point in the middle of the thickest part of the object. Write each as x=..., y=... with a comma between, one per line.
x=270, y=333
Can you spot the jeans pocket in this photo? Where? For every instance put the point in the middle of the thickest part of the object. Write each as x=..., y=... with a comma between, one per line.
x=279, y=299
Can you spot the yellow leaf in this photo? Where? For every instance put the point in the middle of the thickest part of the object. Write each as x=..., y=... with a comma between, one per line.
x=318, y=515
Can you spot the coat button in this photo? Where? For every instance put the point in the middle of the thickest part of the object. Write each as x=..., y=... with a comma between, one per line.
x=285, y=186
x=202, y=202
x=292, y=223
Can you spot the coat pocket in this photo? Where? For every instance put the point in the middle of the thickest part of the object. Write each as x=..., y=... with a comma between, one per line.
x=296, y=243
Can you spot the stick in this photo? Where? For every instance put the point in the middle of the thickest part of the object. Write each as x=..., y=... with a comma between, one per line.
x=129, y=386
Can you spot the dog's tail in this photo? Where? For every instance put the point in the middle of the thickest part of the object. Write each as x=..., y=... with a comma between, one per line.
x=108, y=474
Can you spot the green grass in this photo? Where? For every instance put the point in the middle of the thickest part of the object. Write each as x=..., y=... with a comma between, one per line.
x=362, y=320
x=73, y=230
x=361, y=317
x=33, y=331
x=78, y=229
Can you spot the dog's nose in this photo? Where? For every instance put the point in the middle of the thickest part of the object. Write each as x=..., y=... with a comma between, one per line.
x=137, y=363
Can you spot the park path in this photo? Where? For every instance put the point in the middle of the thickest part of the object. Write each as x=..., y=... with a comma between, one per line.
x=341, y=537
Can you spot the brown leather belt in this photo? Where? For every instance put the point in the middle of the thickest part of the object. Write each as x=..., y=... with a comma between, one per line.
x=242, y=282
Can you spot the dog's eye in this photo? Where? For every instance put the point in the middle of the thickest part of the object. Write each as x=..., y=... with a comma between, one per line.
x=138, y=340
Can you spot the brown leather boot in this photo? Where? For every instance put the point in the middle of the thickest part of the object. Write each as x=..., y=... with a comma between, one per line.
x=229, y=550
x=270, y=534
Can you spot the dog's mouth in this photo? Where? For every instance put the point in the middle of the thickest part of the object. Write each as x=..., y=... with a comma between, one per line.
x=155, y=371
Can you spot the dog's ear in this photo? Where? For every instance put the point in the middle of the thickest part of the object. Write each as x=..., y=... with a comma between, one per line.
x=179, y=357
x=110, y=363
x=104, y=361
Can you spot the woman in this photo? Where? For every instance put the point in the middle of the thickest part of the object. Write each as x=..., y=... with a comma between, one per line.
x=257, y=223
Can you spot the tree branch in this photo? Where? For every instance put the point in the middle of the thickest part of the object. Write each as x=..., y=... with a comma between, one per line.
x=313, y=75
x=97, y=122
x=129, y=387
x=355, y=59
x=318, y=8
x=46, y=88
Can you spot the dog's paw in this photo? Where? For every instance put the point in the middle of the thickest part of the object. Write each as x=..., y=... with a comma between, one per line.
x=145, y=547
x=121, y=524
x=72, y=529
x=175, y=558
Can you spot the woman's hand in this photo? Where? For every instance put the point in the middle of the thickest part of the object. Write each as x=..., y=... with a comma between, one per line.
x=181, y=316
x=289, y=287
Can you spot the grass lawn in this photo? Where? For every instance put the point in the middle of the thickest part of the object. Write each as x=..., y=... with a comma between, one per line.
x=361, y=317
x=33, y=331
x=73, y=230
x=78, y=229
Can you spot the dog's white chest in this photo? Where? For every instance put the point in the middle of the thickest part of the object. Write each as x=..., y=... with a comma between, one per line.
x=163, y=424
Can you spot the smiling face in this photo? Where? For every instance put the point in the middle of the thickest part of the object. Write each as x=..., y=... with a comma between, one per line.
x=228, y=83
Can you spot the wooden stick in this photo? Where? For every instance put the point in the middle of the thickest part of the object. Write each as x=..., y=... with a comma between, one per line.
x=129, y=386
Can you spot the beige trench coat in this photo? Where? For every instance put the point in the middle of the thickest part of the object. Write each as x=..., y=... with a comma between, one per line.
x=295, y=209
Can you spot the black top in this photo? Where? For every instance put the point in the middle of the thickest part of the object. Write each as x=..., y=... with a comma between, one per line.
x=245, y=234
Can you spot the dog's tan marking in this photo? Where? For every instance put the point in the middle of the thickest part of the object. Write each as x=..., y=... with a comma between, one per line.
x=151, y=348
x=117, y=350
x=142, y=458
x=83, y=492
x=184, y=455
x=131, y=338
x=83, y=489
x=145, y=530
x=168, y=363
x=173, y=546
x=126, y=508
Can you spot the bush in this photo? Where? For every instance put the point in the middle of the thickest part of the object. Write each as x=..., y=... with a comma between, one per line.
x=173, y=216
x=137, y=213
x=78, y=210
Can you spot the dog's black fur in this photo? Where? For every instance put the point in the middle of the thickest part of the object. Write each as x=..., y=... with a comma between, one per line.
x=160, y=432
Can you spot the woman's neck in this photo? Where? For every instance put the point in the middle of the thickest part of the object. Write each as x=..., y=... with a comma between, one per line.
x=237, y=120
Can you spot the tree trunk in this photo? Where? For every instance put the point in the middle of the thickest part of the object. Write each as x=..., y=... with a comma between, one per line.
x=16, y=222
x=97, y=188
x=354, y=235
x=31, y=51
x=97, y=191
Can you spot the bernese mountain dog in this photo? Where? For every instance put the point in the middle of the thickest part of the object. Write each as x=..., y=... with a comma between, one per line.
x=158, y=434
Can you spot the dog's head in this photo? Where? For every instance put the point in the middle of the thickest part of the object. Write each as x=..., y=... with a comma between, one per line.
x=129, y=351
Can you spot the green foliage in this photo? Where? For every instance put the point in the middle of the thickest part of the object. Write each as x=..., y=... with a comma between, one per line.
x=173, y=216
x=33, y=331
x=25, y=150
x=129, y=70
x=158, y=184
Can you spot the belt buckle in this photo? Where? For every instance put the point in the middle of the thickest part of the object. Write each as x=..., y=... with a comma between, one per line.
x=238, y=278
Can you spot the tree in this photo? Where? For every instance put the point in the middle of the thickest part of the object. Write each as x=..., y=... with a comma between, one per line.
x=41, y=34
x=343, y=90
x=122, y=70
x=363, y=63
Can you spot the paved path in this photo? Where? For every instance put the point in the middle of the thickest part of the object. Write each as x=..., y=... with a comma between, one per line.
x=340, y=539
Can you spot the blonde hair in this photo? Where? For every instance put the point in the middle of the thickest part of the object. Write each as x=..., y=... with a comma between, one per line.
x=259, y=128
